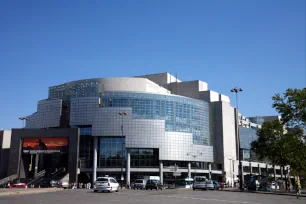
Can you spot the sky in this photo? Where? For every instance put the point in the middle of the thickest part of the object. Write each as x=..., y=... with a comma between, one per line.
x=258, y=45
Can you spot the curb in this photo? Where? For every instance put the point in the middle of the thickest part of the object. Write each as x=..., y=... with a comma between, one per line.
x=27, y=192
x=267, y=193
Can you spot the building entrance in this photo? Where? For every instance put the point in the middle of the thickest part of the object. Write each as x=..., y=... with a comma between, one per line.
x=46, y=155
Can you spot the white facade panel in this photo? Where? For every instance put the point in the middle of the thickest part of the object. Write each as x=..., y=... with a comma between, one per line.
x=147, y=133
x=131, y=84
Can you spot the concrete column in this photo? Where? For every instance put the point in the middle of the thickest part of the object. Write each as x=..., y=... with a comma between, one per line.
x=161, y=172
x=282, y=172
x=251, y=170
x=189, y=170
x=259, y=171
x=36, y=165
x=128, y=168
x=267, y=169
x=209, y=169
x=95, y=159
x=274, y=172
x=242, y=175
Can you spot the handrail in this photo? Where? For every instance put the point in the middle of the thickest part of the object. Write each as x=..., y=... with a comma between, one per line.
x=39, y=175
x=8, y=179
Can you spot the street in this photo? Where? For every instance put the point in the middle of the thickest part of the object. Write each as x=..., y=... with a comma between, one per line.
x=171, y=196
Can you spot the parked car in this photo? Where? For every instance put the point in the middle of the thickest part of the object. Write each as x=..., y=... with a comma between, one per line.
x=65, y=184
x=217, y=185
x=210, y=185
x=139, y=184
x=55, y=183
x=154, y=184
x=19, y=185
x=106, y=184
x=199, y=182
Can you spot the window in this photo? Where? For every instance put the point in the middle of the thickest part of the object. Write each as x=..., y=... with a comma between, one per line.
x=113, y=181
x=103, y=180
x=180, y=114
x=110, y=152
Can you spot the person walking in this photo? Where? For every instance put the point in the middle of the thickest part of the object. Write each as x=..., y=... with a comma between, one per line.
x=89, y=185
x=298, y=189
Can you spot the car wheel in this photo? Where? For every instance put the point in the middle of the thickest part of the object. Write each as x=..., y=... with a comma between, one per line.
x=117, y=190
x=95, y=191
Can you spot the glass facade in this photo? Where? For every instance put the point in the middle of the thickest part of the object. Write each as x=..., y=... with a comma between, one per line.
x=258, y=120
x=144, y=157
x=83, y=88
x=181, y=114
x=86, y=147
x=110, y=152
x=247, y=136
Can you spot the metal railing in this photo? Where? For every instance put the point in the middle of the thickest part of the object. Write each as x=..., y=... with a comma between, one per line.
x=8, y=179
x=39, y=176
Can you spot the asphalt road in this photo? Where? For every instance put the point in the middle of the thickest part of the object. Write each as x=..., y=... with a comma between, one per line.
x=171, y=196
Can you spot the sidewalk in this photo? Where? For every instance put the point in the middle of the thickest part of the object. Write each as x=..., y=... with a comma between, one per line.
x=10, y=191
x=266, y=192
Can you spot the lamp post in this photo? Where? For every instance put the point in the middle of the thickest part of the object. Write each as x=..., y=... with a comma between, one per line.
x=236, y=91
x=122, y=114
x=23, y=119
x=194, y=156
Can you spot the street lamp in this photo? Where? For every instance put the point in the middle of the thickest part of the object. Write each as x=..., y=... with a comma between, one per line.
x=194, y=156
x=236, y=91
x=23, y=119
x=122, y=114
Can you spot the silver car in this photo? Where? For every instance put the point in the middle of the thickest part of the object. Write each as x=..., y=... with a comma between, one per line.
x=210, y=185
x=140, y=184
x=199, y=182
x=106, y=184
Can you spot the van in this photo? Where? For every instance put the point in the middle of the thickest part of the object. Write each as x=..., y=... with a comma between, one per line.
x=199, y=182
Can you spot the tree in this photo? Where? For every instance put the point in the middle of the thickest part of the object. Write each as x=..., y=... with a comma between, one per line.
x=277, y=145
x=271, y=143
x=292, y=107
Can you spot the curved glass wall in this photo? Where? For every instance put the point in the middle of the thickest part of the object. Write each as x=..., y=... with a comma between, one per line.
x=181, y=114
x=82, y=88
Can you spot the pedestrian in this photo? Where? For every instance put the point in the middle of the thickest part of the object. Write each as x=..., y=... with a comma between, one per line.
x=8, y=184
x=89, y=185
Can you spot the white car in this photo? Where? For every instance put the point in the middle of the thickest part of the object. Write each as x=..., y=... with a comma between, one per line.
x=65, y=184
x=106, y=184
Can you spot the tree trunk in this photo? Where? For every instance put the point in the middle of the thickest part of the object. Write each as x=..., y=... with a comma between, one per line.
x=286, y=183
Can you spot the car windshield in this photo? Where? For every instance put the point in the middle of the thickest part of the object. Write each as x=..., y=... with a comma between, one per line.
x=155, y=181
x=138, y=181
x=200, y=179
x=103, y=180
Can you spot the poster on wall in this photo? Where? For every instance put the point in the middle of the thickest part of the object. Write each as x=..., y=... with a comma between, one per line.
x=44, y=145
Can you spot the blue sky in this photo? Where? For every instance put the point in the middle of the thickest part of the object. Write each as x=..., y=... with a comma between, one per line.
x=257, y=45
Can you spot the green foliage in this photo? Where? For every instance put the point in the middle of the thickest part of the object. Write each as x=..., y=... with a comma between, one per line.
x=271, y=143
x=285, y=147
x=292, y=107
